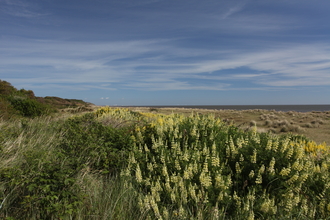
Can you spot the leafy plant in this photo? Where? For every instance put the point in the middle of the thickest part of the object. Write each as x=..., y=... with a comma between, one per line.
x=29, y=107
x=87, y=142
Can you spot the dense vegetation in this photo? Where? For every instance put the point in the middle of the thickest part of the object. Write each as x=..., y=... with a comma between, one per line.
x=121, y=164
x=14, y=102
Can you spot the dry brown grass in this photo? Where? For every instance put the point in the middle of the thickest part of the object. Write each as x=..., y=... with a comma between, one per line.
x=314, y=125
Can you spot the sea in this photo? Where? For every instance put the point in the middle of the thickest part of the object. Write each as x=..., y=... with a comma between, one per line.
x=284, y=108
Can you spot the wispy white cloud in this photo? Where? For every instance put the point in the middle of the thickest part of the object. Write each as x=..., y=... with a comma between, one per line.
x=155, y=45
x=234, y=9
x=20, y=8
x=132, y=65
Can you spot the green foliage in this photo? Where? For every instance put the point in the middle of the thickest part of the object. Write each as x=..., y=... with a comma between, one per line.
x=88, y=142
x=42, y=160
x=6, y=88
x=36, y=181
x=20, y=103
x=40, y=193
x=29, y=107
x=6, y=109
x=17, y=103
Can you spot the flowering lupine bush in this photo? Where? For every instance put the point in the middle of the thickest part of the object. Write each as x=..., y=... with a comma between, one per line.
x=198, y=167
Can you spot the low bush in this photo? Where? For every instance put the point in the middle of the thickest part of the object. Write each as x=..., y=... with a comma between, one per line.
x=36, y=181
x=29, y=107
x=87, y=142
x=42, y=160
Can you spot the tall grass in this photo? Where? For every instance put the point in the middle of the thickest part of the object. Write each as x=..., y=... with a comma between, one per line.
x=107, y=198
x=27, y=152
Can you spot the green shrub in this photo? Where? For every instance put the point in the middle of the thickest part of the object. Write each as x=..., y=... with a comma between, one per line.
x=36, y=180
x=6, y=88
x=29, y=107
x=88, y=142
x=7, y=111
x=43, y=191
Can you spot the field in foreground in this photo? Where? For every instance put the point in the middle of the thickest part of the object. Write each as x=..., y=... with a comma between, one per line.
x=124, y=164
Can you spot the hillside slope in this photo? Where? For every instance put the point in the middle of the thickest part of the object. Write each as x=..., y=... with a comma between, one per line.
x=14, y=102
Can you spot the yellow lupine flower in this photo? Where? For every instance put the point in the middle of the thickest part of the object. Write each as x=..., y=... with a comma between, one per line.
x=173, y=196
x=232, y=146
x=259, y=179
x=254, y=156
x=262, y=169
x=238, y=168
x=290, y=152
x=220, y=196
x=138, y=174
x=216, y=211
x=240, y=142
x=205, y=179
x=192, y=192
x=184, y=195
x=241, y=158
x=293, y=179
x=285, y=171
x=251, y=216
x=177, y=164
x=269, y=144
x=165, y=213
x=324, y=167
x=317, y=169
x=154, y=206
x=146, y=203
x=297, y=165
x=188, y=172
x=271, y=166
x=275, y=145
x=185, y=156
x=150, y=167
x=237, y=199
x=303, y=178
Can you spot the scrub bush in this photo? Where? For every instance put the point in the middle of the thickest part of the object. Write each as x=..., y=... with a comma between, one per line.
x=29, y=107
x=88, y=143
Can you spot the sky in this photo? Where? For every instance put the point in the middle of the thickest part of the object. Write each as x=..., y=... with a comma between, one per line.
x=168, y=52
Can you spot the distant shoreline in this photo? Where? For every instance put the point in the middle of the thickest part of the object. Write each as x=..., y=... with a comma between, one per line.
x=284, y=108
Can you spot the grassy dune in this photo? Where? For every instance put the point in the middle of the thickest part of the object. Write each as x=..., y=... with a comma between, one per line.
x=143, y=163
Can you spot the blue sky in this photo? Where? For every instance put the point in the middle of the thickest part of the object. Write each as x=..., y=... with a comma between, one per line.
x=168, y=52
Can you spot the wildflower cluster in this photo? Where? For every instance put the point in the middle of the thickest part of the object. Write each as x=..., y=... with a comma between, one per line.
x=317, y=150
x=199, y=166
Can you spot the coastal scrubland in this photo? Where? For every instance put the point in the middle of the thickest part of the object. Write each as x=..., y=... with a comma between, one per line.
x=67, y=159
x=120, y=163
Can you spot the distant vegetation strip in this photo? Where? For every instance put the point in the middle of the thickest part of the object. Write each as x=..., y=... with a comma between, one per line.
x=284, y=108
x=14, y=102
